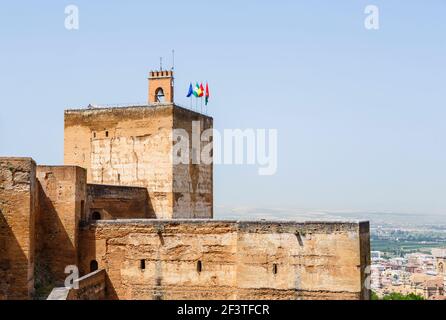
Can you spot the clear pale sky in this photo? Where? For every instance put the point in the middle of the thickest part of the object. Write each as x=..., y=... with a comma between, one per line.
x=360, y=114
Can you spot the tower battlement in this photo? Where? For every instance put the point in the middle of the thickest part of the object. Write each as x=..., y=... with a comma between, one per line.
x=160, y=74
x=161, y=88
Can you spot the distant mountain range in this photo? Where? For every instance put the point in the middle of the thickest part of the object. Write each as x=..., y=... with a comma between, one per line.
x=376, y=218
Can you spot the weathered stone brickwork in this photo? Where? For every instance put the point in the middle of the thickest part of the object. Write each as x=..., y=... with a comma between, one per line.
x=193, y=259
x=133, y=147
x=192, y=182
x=18, y=203
x=62, y=198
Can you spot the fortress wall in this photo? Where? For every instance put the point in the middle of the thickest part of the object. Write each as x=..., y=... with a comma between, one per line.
x=62, y=202
x=18, y=203
x=193, y=183
x=289, y=260
x=170, y=251
x=117, y=202
x=124, y=146
x=239, y=260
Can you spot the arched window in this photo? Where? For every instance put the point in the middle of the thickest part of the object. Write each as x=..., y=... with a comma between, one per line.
x=95, y=216
x=93, y=265
x=159, y=95
x=275, y=268
x=199, y=266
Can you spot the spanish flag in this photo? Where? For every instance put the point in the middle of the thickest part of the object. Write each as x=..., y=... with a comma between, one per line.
x=201, y=90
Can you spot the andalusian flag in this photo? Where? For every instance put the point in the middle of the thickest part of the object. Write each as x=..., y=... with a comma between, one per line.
x=206, y=100
x=199, y=90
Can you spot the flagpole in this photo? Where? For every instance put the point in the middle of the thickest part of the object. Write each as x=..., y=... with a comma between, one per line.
x=201, y=98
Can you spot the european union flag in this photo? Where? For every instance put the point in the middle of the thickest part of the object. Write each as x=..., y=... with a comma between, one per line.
x=191, y=91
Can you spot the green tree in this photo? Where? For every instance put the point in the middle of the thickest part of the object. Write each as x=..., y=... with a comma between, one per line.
x=374, y=296
x=399, y=296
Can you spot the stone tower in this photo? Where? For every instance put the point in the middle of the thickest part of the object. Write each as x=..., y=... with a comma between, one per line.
x=133, y=146
x=160, y=86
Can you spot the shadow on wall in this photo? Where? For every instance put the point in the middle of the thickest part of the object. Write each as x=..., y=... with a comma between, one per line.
x=54, y=248
x=13, y=264
x=110, y=292
x=119, y=202
x=89, y=264
x=150, y=211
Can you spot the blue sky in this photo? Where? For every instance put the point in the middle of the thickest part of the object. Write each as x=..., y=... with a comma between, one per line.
x=360, y=113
